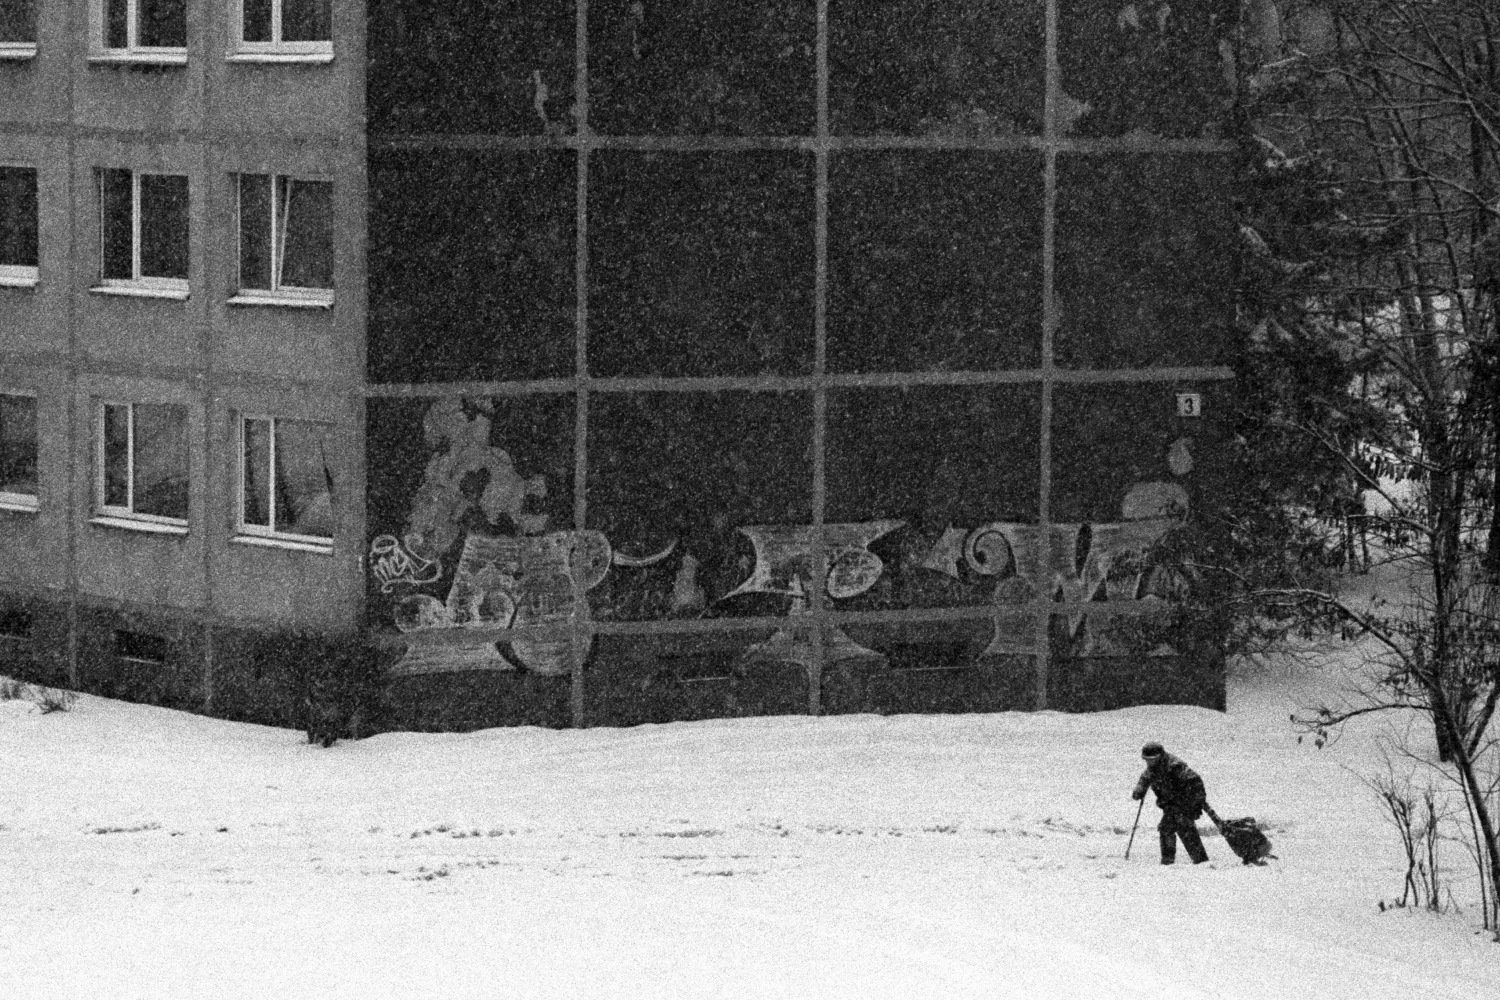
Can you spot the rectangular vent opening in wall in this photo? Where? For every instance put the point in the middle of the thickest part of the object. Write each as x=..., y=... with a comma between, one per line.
x=15, y=623
x=140, y=646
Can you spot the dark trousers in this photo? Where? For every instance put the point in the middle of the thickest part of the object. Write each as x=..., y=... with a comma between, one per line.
x=1176, y=824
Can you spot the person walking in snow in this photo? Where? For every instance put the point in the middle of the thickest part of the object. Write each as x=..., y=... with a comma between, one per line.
x=1181, y=796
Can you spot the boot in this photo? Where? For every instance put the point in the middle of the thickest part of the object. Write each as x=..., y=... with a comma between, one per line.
x=1194, y=844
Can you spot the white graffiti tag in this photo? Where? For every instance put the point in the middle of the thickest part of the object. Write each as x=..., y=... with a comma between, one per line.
x=391, y=563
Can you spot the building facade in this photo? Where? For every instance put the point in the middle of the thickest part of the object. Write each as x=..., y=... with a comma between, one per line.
x=600, y=363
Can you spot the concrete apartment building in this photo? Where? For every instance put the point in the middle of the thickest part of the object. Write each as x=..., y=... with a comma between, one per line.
x=571, y=363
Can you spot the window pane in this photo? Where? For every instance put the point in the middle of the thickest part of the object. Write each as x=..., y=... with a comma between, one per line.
x=116, y=34
x=304, y=20
x=258, y=20
x=162, y=23
x=18, y=444
x=304, y=479
x=114, y=196
x=164, y=226
x=18, y=219
x=307, y=221
x=257, y=473
x=255, y=231
x=18, y=21
x=116, y=455
x=161, y=460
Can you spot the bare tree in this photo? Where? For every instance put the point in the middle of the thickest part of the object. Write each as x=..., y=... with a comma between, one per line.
x=1383, y=118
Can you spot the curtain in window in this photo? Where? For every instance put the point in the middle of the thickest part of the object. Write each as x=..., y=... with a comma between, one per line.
x=303, y=482
x=18, y=445
x=18, y=220
x=306, y=20
x=164, y=226
x=304, y=479
x=306, y=253
x=18, y=21
x=161, y=460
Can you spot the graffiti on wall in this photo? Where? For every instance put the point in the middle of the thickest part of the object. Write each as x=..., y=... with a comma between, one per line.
x=476, y=554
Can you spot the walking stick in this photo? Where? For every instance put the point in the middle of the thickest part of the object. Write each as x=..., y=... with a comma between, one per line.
x=1133, y=826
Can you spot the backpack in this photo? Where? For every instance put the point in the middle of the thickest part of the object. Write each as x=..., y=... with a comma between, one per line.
x=1244, y=838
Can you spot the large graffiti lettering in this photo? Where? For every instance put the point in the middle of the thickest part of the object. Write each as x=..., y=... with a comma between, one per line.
x=476, y=557
x=784, y=564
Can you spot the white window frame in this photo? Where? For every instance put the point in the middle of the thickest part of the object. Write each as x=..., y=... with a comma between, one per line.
x=261, y=534
x=23, y=275
x=274, y=51
x=137, y=284
x=100, y=52
x=127, y=516
x=313, y=298
x=28, y=503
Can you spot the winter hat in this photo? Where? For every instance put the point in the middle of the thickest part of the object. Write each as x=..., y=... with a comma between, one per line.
x=1151, y=750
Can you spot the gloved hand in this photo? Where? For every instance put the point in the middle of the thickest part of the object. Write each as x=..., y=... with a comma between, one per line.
x=1137, y=795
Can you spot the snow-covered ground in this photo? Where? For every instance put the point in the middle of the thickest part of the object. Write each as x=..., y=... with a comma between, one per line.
x=149, y=853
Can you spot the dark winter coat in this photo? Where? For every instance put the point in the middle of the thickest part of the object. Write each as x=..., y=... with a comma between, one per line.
x=1178, y=788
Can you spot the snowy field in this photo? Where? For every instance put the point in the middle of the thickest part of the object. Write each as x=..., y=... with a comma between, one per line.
x=149, y=853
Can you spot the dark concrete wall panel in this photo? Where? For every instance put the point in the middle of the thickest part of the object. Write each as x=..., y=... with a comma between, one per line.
x=935, y=261
x=175, y=682
x=470, y=67
x=462, y=702
x=700, y=263
x=702, y=67
x=955, y=70
x=1145, y=273
x=471, y=266
x=1150, y=68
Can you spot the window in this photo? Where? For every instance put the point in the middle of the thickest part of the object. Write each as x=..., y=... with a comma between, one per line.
x=143, y=463
x=17, y=29
x=285, y=30
x=143, y=31
x=286, y=240
x=144, y=230
x=286, y=481
x=18, y=226
x=18, y=488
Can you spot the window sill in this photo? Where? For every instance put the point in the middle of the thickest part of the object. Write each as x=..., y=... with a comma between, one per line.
x=17, y=281
x=132, y=524
x=139, y=59
x=284, y=301
x=289, y=544
x=280, y=58
x=142, y=292
x=19, y=503
x=17, y=50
